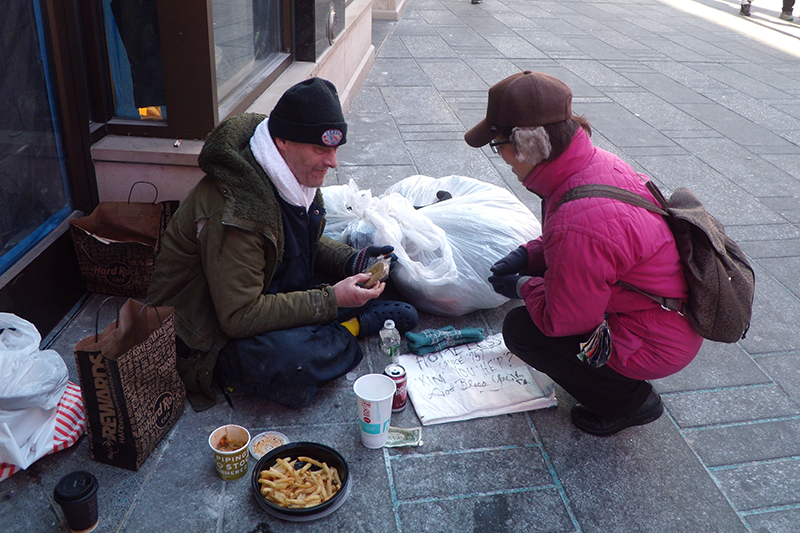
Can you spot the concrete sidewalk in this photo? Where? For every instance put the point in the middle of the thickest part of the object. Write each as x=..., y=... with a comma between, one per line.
x=691, y=95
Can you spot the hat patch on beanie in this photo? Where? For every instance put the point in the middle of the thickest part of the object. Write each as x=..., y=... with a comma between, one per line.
x=332, y=137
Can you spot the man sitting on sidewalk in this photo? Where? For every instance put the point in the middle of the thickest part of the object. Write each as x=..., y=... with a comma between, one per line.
x=244, y=261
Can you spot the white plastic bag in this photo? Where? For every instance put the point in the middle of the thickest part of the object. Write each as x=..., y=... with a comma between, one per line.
x=31, y=377
x=33, y=383
x=69, y=426
x=444, y=248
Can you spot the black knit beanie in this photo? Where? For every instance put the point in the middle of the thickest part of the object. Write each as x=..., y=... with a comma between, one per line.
x=309, y=112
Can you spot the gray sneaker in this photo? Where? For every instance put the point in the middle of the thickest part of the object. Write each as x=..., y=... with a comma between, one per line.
x=786, y=16
x=745, y=11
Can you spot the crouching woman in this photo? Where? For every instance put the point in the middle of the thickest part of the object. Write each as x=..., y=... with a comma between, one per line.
x=570, y=279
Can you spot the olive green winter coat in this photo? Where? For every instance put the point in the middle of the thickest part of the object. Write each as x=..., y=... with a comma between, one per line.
x=219, y=253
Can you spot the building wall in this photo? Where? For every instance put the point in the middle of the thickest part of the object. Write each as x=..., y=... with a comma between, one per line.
x=122, y=160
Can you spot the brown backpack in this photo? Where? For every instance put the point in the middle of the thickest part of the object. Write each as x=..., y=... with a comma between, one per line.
x=721, y=280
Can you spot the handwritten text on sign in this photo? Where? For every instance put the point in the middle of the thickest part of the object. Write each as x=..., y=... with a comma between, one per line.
x=479, y=367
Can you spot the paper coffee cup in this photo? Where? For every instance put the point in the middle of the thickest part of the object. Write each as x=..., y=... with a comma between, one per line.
x=76, y=493
x=375, y=394
x=229, y=444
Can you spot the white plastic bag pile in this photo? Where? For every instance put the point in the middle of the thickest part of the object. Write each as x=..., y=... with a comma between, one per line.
x=444, y=248
x=34, y=389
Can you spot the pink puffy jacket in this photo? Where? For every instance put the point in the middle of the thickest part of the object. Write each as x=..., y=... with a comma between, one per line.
x=588, y=245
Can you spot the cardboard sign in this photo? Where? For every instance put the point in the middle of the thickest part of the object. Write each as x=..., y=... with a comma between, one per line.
x=472, y=381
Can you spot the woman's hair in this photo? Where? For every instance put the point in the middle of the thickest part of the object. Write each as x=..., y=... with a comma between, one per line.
x=546, y=143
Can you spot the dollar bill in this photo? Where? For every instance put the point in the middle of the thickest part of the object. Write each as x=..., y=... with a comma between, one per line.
x=404, y=437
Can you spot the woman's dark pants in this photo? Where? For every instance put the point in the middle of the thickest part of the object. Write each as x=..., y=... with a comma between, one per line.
x=601, y=390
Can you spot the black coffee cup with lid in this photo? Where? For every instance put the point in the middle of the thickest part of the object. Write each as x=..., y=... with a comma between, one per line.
x=76, y=493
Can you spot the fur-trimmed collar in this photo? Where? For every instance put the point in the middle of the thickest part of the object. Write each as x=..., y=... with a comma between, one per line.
x=226, y=156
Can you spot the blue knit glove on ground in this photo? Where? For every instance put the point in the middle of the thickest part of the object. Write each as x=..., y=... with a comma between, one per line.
x=434, y=340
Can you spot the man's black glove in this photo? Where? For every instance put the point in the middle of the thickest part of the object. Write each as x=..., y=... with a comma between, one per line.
x=513, y=263
x=368, y=256
x=507, y=284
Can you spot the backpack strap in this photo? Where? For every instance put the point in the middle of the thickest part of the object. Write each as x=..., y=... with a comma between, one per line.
x=670, y=304
x=594, y=190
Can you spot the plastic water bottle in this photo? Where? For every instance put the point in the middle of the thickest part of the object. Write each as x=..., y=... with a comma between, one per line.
x=390, y=340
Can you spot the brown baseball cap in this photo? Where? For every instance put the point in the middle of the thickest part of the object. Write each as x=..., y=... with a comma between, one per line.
x=526, y=100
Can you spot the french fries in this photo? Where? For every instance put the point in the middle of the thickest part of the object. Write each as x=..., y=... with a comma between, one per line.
x=299, y=489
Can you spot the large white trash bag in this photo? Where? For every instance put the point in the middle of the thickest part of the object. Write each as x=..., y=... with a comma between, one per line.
x=444, y=248
x=32, y=385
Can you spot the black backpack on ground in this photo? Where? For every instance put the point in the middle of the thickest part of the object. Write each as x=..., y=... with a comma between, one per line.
x=721, y=280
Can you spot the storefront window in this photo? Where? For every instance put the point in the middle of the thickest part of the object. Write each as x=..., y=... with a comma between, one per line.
x=134, y=54
x=247, y=42
x=33, y=185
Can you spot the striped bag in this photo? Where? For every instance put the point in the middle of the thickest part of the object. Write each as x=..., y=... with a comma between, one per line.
x=70, y=424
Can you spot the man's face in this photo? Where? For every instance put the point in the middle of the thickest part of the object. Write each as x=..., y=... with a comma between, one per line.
x=308, y=162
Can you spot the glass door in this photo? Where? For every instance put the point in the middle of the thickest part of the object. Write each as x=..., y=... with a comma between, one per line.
x=34, y=194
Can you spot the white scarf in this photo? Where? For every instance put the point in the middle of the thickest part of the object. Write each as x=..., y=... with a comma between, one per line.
x=272, y=162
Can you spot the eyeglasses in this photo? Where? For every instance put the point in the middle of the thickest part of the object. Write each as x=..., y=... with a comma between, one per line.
x=494, y=144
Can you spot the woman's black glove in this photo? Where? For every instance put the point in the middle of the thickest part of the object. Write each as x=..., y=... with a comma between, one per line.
x=368, y=256
x=508, y=285
x=513, y=263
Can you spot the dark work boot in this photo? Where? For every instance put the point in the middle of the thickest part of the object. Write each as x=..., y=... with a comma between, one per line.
x=745, y=11
x=603, y=426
